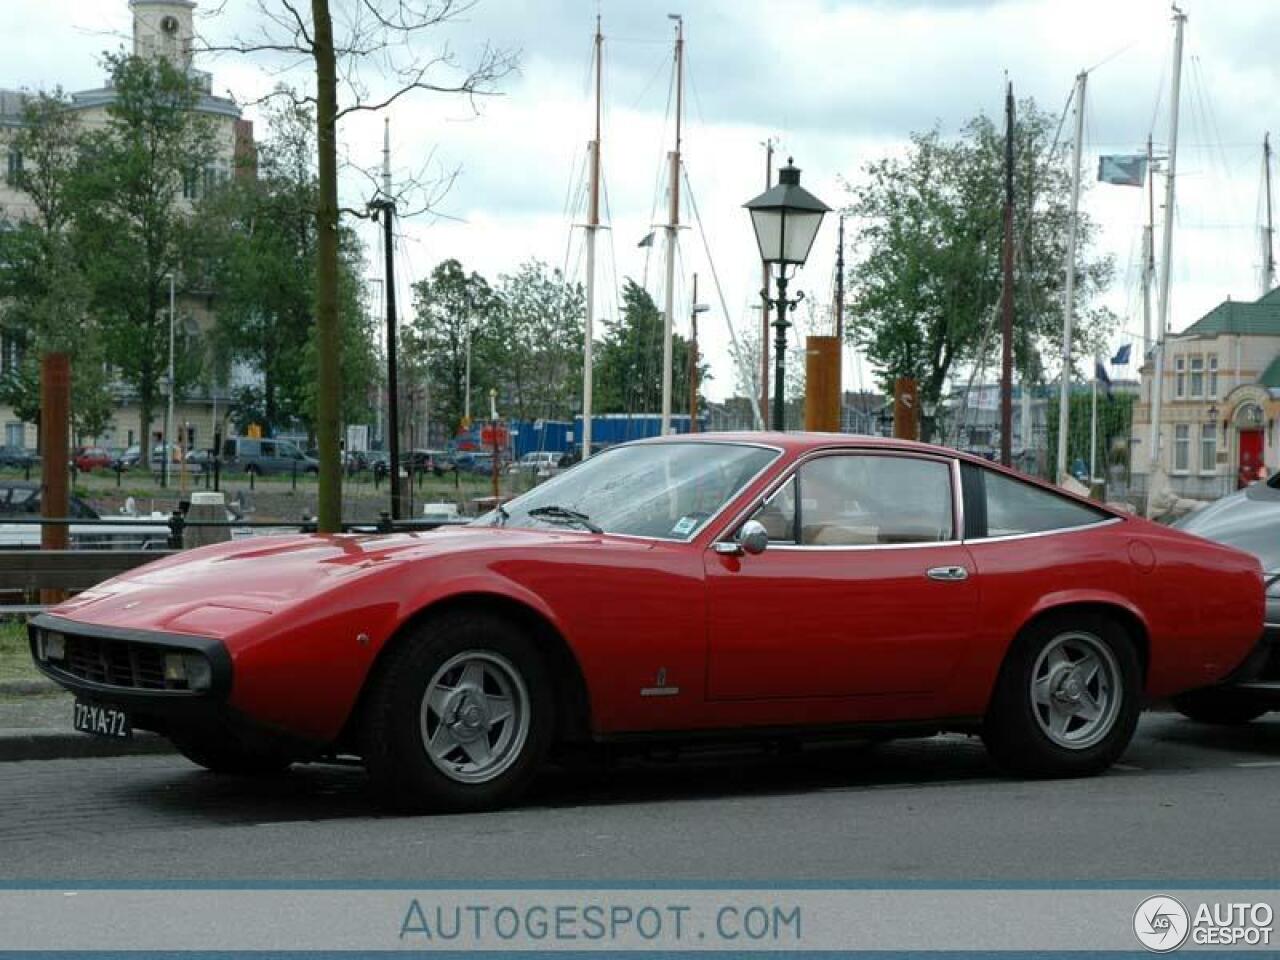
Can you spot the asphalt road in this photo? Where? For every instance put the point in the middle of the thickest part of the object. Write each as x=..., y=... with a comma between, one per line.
x=1188, y=803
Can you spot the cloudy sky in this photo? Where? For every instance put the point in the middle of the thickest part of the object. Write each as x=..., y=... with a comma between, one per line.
x=837, y=84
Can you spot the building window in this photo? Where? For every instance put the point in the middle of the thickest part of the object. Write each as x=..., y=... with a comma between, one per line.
x=1180, y=377
x=191, y=185
x=1197, y=376
x=1213, y=377
x=1181, y=447
x=15, y=435
x=1209, y=447
x=15, y=162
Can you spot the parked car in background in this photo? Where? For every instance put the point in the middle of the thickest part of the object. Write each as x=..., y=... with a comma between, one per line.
x=18, y=499
x=435, y=462
x=1249, y=520
x=539, y=464
x=92, y=458
x=18, y=458
x=265, y=456
x=716, y=586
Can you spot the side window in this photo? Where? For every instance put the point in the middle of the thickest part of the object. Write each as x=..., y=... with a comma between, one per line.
x=778, y=514
x=864, y=500
x=1014, y=507
x=268, y=448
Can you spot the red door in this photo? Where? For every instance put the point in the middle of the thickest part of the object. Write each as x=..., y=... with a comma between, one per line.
x=1250, y=456
x=863, y=589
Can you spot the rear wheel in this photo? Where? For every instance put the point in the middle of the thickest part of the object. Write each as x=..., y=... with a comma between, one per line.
x=1067, y=699
x=220, y=752
x=1219, y=705
x=459, y=716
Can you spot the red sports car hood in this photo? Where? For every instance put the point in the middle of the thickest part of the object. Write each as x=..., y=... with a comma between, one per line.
x=218, y=590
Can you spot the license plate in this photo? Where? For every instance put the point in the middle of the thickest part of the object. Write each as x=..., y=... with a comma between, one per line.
x=101, y=721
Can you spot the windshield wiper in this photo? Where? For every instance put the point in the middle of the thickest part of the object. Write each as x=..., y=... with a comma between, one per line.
x=557, y=512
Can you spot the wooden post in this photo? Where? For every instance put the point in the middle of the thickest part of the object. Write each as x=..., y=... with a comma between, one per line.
x=822, y=384
x=55, y=411
x=906, y=409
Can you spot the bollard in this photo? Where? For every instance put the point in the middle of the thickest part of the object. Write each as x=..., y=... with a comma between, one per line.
x=119, y=473
x=294, y=479
x=176, y=524
x=384, y=522
x=253, y=474
x=210, y=507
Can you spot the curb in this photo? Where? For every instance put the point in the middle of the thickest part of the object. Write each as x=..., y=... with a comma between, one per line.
x=38, y=743
x=27, y=688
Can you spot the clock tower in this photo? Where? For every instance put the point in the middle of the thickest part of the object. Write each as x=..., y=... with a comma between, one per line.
x=163, y=28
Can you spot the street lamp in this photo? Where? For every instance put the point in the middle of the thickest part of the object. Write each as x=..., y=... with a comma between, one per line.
x=786, y=218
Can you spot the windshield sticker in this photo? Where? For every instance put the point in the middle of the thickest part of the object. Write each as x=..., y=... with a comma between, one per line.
x=684, y=526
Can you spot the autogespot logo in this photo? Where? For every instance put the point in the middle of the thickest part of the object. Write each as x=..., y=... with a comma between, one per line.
x=1161, y=924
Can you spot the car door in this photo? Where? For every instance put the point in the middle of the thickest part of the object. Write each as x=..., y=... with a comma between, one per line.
x=864, y=588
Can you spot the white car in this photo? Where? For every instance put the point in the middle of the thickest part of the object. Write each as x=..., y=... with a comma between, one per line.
x=539, y=463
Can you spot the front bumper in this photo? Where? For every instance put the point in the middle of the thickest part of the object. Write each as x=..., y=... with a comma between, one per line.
x=124, y=668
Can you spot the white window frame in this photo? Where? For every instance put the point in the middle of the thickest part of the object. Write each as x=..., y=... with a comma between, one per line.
x=1195, y=368
x=1181, y=448
x=1179, y=377
x=1209, y=443
x=1211, y=370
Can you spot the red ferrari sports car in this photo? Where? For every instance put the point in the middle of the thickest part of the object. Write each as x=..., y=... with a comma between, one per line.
x=761, y=585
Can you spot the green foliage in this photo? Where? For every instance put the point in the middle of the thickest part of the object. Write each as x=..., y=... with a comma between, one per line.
x=452, y=308
x=1115, y=419
x=43, y=296
x=258, y=254
x=629, y=360
x=131, y=228
x=928, y=281
x=536, y=347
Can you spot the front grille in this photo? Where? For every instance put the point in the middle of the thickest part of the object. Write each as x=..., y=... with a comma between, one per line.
x=117, y=663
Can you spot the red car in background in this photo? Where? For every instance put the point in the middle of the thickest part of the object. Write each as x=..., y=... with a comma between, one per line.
x=715, y=586
x=92, y=458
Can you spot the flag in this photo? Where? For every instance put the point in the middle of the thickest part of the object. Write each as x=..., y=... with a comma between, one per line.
x=1100, y=373
x=1125, y=170
x=647, y=241
x=1121, y=359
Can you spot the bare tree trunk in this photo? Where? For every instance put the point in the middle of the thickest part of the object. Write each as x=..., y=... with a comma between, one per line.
x=329, y=367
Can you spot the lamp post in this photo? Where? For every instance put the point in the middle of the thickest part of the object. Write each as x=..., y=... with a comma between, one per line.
x=786, y=218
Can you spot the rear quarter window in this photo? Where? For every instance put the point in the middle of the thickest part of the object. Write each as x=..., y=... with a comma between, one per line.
x=997, y=505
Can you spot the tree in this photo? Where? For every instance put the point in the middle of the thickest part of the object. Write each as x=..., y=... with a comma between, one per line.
x=454, y=311
x=629, y=365
x=537, y=342
x=927, y=284
x=374, y=32
x=259, y=257
x=131, y=227
x=42, y=293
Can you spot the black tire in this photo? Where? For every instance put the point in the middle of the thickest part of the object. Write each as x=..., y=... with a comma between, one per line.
x=1012, y=730
x=221, y=752
x=1221, y=706
x=397, y=758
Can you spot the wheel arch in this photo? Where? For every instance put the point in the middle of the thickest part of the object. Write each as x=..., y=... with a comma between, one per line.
x=573, y=700
x=1121, y=613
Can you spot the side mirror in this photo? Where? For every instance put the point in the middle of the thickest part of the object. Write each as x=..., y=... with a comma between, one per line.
x=752, y=538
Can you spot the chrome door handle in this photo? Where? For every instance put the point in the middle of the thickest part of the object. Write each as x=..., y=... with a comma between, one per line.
x=947, y=573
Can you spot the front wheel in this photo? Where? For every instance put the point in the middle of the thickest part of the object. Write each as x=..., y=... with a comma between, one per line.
x=459, y=716
x=1066, y=703
x=1221, y=706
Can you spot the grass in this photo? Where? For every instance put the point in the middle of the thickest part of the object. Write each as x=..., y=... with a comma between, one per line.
x=15, y=655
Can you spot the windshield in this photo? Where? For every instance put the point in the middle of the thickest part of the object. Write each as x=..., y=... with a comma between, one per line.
x=662, y=490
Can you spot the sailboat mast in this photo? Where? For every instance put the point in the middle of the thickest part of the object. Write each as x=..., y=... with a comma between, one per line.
x=1148, y=253
x=1006, y=291
x=1166, y=265
x=1268, y=238
x=764, y=291
x=593, y=227
x=1068, y=297
x=673, y=225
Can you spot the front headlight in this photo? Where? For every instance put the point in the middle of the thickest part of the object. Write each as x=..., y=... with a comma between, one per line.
x=51, y=645
x=189, y=670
